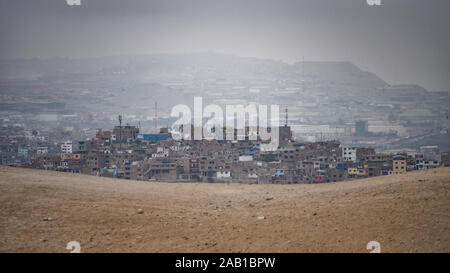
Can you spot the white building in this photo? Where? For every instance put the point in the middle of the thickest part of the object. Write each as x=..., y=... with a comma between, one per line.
x=66, y=147
x=161, y=152
x=224, y=175
x=246, y=158
x=42, y=150
x=427, y=164
x=349, y=154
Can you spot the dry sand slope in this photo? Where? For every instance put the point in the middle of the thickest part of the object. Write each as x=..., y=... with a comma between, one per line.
x=405, y=213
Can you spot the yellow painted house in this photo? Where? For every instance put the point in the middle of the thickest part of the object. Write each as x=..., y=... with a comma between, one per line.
x=352, y=171
x=399, y=164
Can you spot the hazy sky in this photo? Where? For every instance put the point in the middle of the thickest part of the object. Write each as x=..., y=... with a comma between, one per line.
x=403, y=41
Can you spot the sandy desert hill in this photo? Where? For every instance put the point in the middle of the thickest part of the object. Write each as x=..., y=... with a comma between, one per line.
x=404, y=213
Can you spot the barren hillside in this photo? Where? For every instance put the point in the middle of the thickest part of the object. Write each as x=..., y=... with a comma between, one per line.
x=405, y=213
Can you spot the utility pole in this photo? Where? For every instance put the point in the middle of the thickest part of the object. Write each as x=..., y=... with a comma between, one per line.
x=120, y=132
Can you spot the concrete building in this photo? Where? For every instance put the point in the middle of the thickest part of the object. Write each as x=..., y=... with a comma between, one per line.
x=164, y=170
x=125, y=133
x=285, y=133
x=399, y=164
x=430, y=152
x=427, y=164
x=352, y=171
x=361, y=128
x=246, y=158
x=349, y=154
x=23, y=152
x=103, y=135
x=66, y=147
x=42, y=150
x=224, y=175
x=445, y=159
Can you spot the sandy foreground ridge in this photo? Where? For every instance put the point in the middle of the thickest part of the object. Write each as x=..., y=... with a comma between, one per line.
x=404, y=213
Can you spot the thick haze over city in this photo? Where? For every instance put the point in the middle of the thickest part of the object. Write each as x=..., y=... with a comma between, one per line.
x=168, y=126
x=402, y=41
x=362, y=75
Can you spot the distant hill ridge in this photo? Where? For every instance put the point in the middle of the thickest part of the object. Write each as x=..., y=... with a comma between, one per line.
x=191, y=66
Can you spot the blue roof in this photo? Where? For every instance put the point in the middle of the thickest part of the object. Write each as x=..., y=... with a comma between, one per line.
x=249, y=151
x=153, y=137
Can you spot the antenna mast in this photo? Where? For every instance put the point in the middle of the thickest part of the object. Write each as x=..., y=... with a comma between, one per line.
x=156, y=116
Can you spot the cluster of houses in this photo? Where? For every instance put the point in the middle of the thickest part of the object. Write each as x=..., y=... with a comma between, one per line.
x=125, y=153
